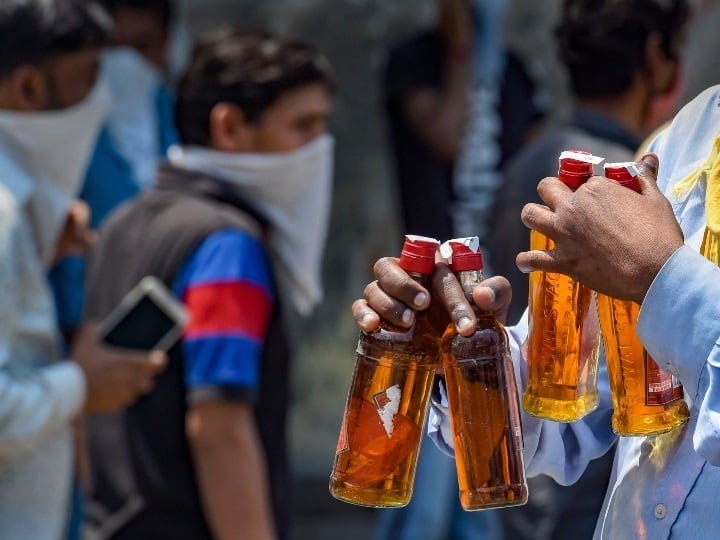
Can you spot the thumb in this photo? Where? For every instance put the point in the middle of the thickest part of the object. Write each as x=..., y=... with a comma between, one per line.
x=648, y=170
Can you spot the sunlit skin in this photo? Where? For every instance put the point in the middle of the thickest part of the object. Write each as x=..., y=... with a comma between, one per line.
x=297, y=117
x=70, y=77
x=144, y=31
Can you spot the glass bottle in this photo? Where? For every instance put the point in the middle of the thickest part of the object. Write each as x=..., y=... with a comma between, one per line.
x=387, y=404
x=646, y=399
x=563, y=334
x=483, y=399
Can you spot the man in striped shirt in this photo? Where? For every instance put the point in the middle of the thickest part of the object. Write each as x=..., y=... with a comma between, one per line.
x=203, y=456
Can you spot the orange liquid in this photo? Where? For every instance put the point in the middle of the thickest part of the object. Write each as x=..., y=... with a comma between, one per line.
x=562, y=347
x=627, y=370
x=485, y=417
x=384, y=417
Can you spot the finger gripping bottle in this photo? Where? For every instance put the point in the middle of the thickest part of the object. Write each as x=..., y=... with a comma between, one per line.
x=563, y=335
x=646, y=399
x=387, y=404
x=483, y=399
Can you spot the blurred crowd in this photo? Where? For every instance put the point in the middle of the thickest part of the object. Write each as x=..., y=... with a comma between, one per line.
x=219, y=183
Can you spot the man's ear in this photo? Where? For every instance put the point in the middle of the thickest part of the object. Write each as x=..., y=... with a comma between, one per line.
x=25, y=89
x=229, y=129
x=663, y=72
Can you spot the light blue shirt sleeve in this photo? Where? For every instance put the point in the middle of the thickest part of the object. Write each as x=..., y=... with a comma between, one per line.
x=679, y=325
x=561, y=451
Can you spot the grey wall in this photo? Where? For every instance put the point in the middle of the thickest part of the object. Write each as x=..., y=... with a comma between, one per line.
x=354, y=34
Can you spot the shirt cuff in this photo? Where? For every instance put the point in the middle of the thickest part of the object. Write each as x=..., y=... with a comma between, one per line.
x=678, y=321
x=66, y=384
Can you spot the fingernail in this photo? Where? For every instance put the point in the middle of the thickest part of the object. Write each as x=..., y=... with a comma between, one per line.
x=491, y=292
x=407, y=315
x=524, y=269
x=464, y=323
x=420, y=299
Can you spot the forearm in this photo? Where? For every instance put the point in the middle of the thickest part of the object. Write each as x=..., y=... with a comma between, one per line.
x=453, y=107
x=440, y=116
x=230, y=470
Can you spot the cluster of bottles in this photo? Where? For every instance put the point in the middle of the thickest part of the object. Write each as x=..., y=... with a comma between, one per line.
x=390, y=391
x=566, y=323
x=396, y=367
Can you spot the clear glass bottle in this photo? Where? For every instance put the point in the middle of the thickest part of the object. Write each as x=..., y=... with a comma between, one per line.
x=388, y=400
x=483, y=399
x=646, y=399
x=563, y=335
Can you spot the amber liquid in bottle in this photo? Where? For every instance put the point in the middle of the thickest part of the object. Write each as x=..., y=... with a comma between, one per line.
x=646, y=400
x=485, y=414
x=384, y=417
x=563, y=345
x=627, y=364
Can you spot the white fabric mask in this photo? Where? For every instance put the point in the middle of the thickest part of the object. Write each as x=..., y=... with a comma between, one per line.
x=133, y=122
x=293, y=191
x=54, y=148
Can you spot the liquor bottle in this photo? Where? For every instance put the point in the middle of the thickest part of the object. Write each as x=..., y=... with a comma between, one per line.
x=483, y=399
x=388, y=400
x=646, y=399
x=563, y=336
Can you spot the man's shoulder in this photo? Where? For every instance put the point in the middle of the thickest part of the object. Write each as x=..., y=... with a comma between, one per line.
x=688, y=140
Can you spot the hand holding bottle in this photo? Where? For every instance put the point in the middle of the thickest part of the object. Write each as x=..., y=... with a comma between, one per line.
x=395, y=297
x=589, y=229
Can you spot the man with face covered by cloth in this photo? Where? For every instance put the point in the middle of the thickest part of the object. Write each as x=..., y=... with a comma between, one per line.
x=246, y=194
x=50, y=112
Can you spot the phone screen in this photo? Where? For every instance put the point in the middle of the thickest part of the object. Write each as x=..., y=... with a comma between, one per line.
x=142, y=327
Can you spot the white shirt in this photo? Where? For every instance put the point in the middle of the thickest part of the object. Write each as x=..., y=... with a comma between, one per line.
x=39, y=395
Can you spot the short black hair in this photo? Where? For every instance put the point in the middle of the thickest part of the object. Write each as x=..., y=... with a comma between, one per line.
x=250, y=69
x=602, y=42
x=33, y=32
x=163, y=8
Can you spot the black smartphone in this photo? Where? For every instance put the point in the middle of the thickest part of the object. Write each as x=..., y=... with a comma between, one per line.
x=148, y=318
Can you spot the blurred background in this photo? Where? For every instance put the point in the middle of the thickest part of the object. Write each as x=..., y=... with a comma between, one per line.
x=355, y=35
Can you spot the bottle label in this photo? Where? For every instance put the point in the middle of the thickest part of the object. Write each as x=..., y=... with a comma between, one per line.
x=661, y=387
x=342, y=445
x=387, y=404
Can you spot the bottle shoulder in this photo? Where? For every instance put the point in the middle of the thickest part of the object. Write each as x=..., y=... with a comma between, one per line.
x=421, y=339
x=488, y=340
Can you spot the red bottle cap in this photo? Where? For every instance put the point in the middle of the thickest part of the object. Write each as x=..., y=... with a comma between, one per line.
x=465, y=254
x=418, y=254
x=624, y=174
x=576, y=167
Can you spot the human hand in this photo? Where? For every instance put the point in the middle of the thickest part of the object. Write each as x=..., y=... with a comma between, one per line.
x=115, y=378
x=606, y=236
x=77, y=236
x=395, y=297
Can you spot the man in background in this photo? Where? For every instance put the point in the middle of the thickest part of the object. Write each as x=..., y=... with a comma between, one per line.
x=624, y=64
x=135, y=137
x=245, y=196
x=50, y=112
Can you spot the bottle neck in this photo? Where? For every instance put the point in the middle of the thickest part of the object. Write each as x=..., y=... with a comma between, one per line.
x=422, y=279
x=469, y=279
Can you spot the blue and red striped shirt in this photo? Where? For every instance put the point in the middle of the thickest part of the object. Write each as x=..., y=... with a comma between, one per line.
x=227, y=287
